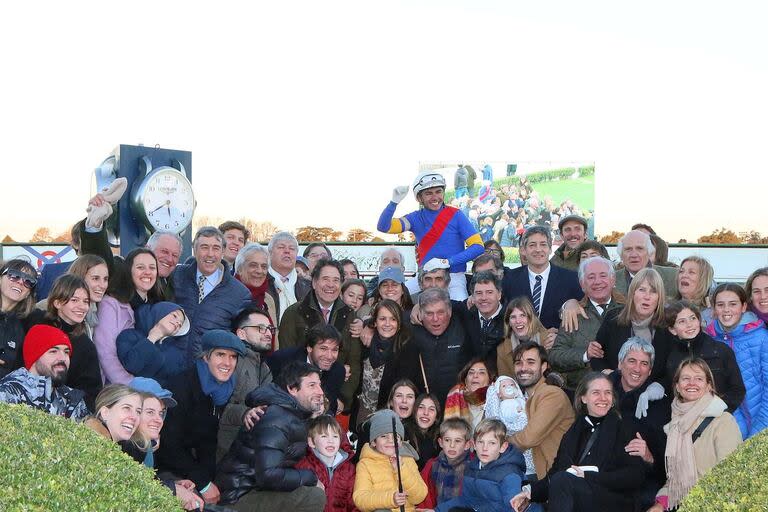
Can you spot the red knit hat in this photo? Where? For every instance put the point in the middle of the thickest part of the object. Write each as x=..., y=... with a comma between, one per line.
x=39, y=340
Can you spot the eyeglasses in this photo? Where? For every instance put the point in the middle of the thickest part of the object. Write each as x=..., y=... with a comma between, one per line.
x=261, y=328
x=494, y=252
x=16, y=276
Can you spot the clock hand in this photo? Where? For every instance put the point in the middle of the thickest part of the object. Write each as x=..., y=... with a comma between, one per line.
x=153, y=211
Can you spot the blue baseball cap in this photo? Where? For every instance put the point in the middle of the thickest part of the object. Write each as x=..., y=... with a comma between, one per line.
x=152, y=387
x=392, y=274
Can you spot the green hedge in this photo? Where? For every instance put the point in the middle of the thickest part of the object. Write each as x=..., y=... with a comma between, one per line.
x=738, y=483
x=586, y=171
x=51, y=463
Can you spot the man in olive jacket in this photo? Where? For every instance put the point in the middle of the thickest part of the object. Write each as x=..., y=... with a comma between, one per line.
x=258, y=472
x=569, y=355
x=323, y=304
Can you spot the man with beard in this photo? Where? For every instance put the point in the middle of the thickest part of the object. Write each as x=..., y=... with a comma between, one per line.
x=573, y=230
x=321, y=351
x=40, y=383
x=259, y=472
x=549, y=413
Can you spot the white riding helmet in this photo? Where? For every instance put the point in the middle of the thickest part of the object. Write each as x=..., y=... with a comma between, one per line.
x=427, y=179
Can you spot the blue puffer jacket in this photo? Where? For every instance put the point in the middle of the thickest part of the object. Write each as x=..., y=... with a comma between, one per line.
x=218, y=308
x=749, y=341
x=161, y=360
x=490, y=488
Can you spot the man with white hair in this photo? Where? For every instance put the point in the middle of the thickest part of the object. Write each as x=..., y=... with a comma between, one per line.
x=572, y=351
x=391, y=257
x=286, y=284
x=636, y=252
x=445, y=237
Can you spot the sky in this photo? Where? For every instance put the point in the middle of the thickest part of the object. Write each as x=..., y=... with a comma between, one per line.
x=311, y=112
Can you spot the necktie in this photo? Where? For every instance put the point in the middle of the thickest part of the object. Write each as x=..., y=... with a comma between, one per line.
x=201, y=289
x=326, y=313
x=537, y=295
x=603, y=307
x=486, y=323
x=284, y=279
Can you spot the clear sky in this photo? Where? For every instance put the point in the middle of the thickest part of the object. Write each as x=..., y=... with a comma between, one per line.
x=310, y=112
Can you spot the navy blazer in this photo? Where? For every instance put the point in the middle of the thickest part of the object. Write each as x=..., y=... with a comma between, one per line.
x=331, y=380
x=562, y=285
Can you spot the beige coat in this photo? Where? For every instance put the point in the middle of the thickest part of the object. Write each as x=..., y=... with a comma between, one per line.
x=718, y=440
x=550, y=415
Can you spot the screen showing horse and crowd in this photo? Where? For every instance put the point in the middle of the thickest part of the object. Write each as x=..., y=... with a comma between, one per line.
x=283, y=381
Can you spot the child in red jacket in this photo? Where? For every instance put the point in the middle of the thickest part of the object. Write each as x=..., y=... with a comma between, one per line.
x=444, y=474
x=328, y=457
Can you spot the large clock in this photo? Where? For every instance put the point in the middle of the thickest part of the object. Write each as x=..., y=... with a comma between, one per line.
x=162, y=198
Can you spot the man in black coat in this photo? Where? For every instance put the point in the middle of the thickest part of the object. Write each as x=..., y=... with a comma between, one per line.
x=644, y=404
x=321, y=351
x=190, y=433
x=259, y=471
x=438, y=345
x=484, y=321
x=548, y=286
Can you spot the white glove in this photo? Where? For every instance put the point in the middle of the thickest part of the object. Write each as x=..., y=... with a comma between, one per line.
x=653, y=392
x=399, y=193
x=111, y=195
x=436, y=263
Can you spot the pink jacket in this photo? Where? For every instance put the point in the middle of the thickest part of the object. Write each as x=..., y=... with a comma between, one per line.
x=114, y=317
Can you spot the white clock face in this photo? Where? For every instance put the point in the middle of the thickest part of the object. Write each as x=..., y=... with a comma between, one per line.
x=168, y=201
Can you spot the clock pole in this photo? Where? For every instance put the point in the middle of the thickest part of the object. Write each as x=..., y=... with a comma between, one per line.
x=133, y=163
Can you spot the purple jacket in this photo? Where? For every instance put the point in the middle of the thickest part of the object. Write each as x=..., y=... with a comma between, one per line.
x=114, y=317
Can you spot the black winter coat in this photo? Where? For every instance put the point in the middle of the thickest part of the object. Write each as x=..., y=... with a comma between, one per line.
x=263, y=458
x=11, y=336
x=619, y=475
x=721, y=360
x=650, y=427
x=611, y=336
x=84, y=371
x=188, y=447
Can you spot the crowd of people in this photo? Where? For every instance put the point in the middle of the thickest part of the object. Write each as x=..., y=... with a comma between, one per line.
x=253, y=378
x=503, y=212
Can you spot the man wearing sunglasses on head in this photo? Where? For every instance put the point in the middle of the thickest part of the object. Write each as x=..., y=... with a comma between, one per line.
x=17, y=299
x=254, y=327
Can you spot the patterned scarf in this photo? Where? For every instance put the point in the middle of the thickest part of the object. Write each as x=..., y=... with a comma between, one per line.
x=447, y=476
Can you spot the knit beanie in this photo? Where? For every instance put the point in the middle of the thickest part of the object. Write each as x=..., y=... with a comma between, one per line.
x=39, y=340
x=381, y=424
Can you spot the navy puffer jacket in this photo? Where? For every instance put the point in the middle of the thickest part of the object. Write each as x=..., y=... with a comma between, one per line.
x=264, y=458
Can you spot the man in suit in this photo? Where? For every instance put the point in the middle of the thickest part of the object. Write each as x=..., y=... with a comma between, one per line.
x=548, y=286
x=637, y=252
x=285, y=284
x=484, y=321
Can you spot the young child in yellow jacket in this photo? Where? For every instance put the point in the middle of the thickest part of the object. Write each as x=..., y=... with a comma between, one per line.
x=376, y=477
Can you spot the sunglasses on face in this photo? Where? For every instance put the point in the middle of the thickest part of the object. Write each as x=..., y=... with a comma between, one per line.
x=16, y=276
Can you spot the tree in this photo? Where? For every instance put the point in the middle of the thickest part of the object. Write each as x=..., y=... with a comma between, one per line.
x=753, y=237
x=262, y=231
x=64, y=237
x=42, y=234
x=8, y=240
x=720, y=236
x=611, y=238
x=359, y=235
x=317, y=234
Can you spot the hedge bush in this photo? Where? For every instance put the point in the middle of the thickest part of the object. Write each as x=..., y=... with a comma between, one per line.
x=51, y=463
x=589, y=170
x=738, y=483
